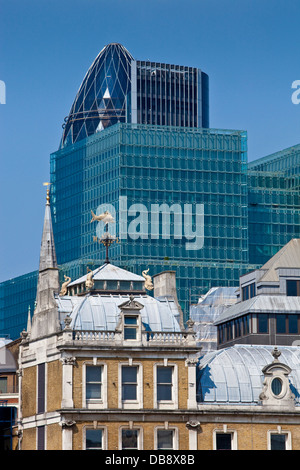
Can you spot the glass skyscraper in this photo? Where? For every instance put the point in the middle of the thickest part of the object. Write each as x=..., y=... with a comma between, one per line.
x=118, y=88
x=137, y=142
x=274, y=203
x=179, y=196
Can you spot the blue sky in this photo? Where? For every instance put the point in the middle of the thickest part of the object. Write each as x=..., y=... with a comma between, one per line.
x=249, y=48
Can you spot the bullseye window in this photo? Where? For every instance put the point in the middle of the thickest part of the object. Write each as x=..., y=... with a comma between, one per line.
x=276, y=386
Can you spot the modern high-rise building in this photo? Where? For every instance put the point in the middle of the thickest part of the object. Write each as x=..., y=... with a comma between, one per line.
x=137, y=142
x=118, y=88
x=274, y=203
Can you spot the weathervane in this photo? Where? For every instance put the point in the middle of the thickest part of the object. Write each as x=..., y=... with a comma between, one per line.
x=106, y=238
x=48, y=192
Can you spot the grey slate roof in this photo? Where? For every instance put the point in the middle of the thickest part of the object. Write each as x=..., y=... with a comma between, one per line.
x=234, y=375
x=101, y=312
x=261, y=304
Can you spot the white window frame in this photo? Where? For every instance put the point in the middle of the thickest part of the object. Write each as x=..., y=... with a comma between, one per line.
x=234, y=443
x=131, y=404
x=101, y=402
x=139, y=436
x=288, y=438
x=166, y=404
x=137, y=327
x=97, y=428
x=175, y=437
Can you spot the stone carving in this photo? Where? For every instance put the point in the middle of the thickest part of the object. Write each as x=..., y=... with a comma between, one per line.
x=89, y=283
x=106, y=217
x=64, y=287
x=148, y=280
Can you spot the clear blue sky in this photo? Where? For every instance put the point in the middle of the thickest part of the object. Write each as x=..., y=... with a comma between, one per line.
x=249, y=48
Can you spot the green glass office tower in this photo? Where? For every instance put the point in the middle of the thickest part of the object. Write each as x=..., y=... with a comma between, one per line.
x=274, y=203
x=179, y=196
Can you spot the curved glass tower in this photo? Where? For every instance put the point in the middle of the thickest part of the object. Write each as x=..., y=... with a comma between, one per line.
x=101, y=99
x=118, y=88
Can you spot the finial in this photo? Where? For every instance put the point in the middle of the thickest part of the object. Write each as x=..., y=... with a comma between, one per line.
x=48, y=192
x=276, y=353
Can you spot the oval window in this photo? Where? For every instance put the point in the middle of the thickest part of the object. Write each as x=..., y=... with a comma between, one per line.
x=276, y=386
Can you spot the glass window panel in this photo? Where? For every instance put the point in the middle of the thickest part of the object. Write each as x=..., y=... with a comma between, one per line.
x=129, y=374
x=93, y=439
x=276, y=386
x=93, y=382
x=164, y=375
x=3, y=384
x=291, y=288
x=130, y=320
x=278, y=441
x=130, y=333
x=262, y=320
x=93, y=374
x=93, y=391
x=164, y=392
x=293, y=324
x=129, y=383
x=281, y=324
x=165, y=439
x=129, y=439
x=223, y=441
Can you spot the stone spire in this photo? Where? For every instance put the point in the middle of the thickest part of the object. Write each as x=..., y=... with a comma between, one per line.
x=45, y=319
x=47, y=253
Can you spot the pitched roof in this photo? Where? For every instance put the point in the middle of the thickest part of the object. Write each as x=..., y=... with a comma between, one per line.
x=110, y=272
x=287, y=257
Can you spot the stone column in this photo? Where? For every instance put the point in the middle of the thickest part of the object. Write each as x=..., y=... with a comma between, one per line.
x=67, y=382
x=191, y=363
x=193, y=427
x=67, y=434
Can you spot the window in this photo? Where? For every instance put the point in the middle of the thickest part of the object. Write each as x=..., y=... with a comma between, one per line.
x=246, y=324
x=165, y=439
x=130, y=438
x=293, y=288
x=94, y=439
x=93, y=381
x=276, y=386
x=248, y=291
x=280, y=324
x=130, y=327
x=3, y=384
x=164, y=383
x=279, y=441
x=223, y=441
x=262, y=320
x=41, y=388
x=287, y=324
x=129, y=382
x=293, y=324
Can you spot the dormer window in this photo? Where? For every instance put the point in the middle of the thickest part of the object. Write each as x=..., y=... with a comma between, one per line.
x=130, y=327
x=248, y=291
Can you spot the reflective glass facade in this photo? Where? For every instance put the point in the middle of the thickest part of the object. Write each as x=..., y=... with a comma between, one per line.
x=147, y=166
x=102, y=96
x=274, y=203
x=118, y=88
x=16, y=296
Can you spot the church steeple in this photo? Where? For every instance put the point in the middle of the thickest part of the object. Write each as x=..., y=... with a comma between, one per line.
x=45, y=319
x=47, y=253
